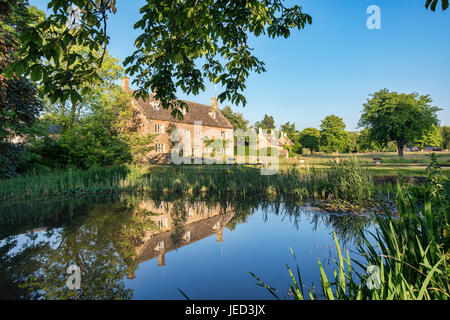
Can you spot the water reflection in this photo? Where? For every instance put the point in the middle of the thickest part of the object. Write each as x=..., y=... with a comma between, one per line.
x=109, y=237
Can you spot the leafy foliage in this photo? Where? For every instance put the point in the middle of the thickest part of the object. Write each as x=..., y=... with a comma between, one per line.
x=182, y=44
x=100, y=130
x=445, y=134
x=310, y=139
x=333, y=137
x=403, y=118
x=432, y=4
x=19, y=104
x=236, y=119
x=267, y=123
x=431, y=137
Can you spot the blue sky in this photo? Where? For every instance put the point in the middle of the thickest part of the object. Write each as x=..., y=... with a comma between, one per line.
x=333, y=65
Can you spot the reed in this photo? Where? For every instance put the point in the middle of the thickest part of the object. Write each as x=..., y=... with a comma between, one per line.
x=411, y=255
x=346, y=181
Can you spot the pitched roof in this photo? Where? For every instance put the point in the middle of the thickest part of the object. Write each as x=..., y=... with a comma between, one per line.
x=197, y=112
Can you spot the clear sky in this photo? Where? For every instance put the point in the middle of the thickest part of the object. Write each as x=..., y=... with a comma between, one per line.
x=333, y=65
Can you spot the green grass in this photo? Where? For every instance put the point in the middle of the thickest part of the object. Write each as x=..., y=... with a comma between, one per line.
x=391, y=164
x=386, y=158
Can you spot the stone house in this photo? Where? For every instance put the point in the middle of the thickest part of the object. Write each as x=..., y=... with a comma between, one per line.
x=156, y=120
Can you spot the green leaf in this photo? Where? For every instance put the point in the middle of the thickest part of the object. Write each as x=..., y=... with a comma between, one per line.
x=36, y=72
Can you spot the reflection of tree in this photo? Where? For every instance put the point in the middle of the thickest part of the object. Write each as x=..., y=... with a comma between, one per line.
x=101, y=243
x=347, y=227
x=101, y=237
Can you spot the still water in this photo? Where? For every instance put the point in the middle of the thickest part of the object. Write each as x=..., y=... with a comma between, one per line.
x=132, y=247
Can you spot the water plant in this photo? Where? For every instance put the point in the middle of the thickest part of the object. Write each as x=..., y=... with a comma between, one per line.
x=409, y=254
x=347, y=180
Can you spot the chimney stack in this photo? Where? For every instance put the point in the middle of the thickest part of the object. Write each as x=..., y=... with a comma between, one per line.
x=126, y=83
x=215, y=103
x=162, y=259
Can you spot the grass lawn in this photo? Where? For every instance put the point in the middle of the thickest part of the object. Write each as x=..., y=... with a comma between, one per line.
x=412, y=164
x=410, y=158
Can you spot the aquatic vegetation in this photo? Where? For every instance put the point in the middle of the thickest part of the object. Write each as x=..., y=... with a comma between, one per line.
x=347, y=180
x=407, y=258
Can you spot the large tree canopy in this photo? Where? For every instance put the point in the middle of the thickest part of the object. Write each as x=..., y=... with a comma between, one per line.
x=403, y=118
x=19, y=104
x=236, y=119
x=310, y=139
x=267, y=123
x=183, y=44
x=333, y=137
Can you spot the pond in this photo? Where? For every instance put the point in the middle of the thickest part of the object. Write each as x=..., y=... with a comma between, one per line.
x=134, y=247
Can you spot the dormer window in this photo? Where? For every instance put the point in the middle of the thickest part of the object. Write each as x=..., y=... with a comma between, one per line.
x=212, y=115
x=156, y=106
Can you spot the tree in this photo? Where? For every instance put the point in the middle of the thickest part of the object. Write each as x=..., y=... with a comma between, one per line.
x=445, y=133
x=183, y=43
x=288, y=128
x=352, y=145
x=431, y=137
x=100, y=129
x=333, y=137
x=365, y=143
x=236, y=119
x=403, y=118
x=432, y=4
x=19, y=103
x=266, y=123
x=310, y=139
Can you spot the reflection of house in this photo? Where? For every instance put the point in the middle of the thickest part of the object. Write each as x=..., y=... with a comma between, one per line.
x=199, y=222
x=156, y=120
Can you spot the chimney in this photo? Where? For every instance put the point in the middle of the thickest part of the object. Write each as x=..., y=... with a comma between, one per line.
x=162, y=259
x=214, y=103
x=219, y=235
x=126, y=83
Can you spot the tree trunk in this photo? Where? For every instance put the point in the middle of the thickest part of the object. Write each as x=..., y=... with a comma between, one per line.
x=401, y=147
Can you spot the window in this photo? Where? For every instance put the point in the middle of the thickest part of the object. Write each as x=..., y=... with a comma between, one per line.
x=162, y=223
x=159, y=128
x=160, y=246
x=160, y=148
x=187, y=236
x=156, y=106
x=212, y=115
x=222, y=134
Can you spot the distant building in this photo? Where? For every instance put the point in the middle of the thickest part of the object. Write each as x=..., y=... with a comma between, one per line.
x=274, y=139
x=156, y=120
